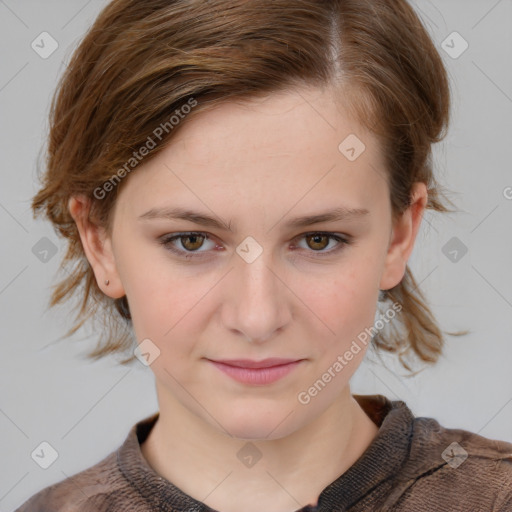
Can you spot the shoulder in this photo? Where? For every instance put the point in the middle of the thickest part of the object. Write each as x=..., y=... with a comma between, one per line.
x=448, y=464
x=106, y=486
x=96, y=488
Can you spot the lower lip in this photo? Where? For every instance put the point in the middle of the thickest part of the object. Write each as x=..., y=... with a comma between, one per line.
x=257, y=376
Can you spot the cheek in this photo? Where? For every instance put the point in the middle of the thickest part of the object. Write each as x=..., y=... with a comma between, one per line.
x=155, y=297
x=347, y=303
x=169, y=308
x=161, y=312
x=346, y=307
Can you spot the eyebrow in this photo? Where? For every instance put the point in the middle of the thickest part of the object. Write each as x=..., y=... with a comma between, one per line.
x=337, y=214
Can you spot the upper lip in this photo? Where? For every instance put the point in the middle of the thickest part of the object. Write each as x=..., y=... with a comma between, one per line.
x=249, y=363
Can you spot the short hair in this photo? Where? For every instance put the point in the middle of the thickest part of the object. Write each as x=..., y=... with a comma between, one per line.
x=140, y=63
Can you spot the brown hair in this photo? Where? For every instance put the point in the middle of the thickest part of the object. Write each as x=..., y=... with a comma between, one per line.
x=140, y=62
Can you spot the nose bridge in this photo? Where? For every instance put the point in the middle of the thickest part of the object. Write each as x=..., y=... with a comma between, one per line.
x=258, y=279
x=257, y=305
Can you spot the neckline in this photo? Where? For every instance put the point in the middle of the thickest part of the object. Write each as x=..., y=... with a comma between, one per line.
x=386, y=453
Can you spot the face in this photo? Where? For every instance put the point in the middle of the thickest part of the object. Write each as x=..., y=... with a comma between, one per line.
x=258, y=280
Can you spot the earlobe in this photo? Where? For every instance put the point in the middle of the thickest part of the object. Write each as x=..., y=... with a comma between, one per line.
x=403, y=237
x=97, y=247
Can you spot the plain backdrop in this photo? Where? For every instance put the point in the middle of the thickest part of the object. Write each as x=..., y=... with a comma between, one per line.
x=49, y=393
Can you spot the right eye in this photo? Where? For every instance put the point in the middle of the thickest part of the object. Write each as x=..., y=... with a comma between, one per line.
x=190, y=242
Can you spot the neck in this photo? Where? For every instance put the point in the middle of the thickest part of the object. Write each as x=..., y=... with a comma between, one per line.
x=290, y=473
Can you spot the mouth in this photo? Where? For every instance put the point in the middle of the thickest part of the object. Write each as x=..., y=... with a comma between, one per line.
x=247, y=371
x=249, y=363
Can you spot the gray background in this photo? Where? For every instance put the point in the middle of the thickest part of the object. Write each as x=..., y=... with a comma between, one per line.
x=85, y=409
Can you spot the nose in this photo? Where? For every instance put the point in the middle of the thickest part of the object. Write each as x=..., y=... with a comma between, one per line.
x=257, y=303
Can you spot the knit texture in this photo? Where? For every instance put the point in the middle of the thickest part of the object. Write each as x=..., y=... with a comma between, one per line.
x=402, y=470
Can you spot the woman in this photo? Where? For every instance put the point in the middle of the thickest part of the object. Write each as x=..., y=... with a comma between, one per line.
x=240, y=183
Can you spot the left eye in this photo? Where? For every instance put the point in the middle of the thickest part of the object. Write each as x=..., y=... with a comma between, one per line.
x=319, y=241
x=191, y=243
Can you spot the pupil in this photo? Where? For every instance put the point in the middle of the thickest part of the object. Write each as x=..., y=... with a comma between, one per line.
x=316, y=237
x=193, y=238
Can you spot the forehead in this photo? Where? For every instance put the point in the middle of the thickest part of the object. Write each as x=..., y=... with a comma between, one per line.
x=286, y=142
x=291, y=122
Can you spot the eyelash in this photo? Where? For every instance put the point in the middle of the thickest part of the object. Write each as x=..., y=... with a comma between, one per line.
x=167, y=240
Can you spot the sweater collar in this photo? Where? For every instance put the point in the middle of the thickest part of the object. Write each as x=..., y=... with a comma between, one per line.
x=384, y=456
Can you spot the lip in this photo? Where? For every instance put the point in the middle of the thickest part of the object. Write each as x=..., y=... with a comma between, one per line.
x=249, y=363
x=257, y=373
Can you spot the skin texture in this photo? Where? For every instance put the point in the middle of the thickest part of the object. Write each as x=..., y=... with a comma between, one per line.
x=257, y=165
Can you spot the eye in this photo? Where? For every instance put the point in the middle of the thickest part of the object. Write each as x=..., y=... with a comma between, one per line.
x=190, y=242
x=318, y=241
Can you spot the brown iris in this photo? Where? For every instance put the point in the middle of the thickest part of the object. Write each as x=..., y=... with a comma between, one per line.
x=316, y=238
x=196, y=242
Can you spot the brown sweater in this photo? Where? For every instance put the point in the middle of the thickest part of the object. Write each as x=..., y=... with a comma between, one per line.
x=402, y=470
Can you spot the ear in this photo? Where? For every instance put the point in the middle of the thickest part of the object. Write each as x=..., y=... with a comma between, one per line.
x=97, y=247
x=403, y=237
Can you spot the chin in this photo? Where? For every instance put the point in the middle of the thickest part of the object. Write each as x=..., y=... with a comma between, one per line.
x=253, y=422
